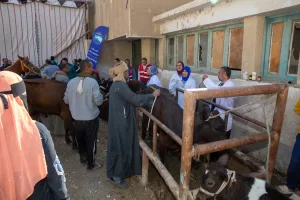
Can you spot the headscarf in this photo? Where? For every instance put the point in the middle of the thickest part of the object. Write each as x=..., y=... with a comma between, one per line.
x=22, y=157
x=117, y=72
x=153, y=70
x=188, y=69
x=180, y=72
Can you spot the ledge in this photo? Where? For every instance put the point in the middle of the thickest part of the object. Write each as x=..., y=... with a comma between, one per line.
x=183, y=9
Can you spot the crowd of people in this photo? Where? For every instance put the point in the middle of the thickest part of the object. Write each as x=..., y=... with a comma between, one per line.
x=44, y=176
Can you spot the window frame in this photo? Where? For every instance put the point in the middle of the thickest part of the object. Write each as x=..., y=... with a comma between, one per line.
x=285, y=47
x=196, y=34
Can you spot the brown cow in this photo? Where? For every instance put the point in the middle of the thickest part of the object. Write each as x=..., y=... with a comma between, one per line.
x=45, y=96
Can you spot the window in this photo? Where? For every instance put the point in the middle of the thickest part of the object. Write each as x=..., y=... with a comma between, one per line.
x=282, y=48
x=275, y=48
x=236, y=48
x=208, y=49
x=217, y=49
x=294, y=62
x=180, y=44
x=171, y=45
x=203, y=49
x=190, y=50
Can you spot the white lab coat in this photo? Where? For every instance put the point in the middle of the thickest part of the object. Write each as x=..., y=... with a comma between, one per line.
x=226, y=102
x=154, y=80
x=173, y=83
x=189, y=84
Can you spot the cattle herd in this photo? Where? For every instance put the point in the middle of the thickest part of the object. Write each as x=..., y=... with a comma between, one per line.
x=46, y=97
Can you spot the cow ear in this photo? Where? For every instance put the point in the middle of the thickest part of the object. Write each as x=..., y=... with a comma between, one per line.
x=223, y=174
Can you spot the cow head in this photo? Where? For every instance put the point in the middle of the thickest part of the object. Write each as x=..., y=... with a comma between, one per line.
x=212, y=180
x=135, y=86
x=208, y=130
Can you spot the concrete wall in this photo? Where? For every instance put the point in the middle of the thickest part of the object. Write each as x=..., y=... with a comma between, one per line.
x=142, y=12
x=132, y=18
x=223, y=12
x=115, y=15
x=241, y=128
x=110, y=51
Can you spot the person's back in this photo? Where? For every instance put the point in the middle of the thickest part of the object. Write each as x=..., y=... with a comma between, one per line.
x=83, y=106
x=50, y=70
x=53, y=187
x=72, y=72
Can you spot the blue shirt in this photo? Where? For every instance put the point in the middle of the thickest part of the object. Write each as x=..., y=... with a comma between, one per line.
x=50, y=70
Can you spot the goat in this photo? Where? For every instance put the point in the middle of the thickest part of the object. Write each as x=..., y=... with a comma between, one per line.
x=222, y=184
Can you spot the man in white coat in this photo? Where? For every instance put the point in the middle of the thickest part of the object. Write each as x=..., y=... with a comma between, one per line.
x=224, y=77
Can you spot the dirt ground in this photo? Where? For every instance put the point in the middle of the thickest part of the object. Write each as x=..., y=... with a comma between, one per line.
x=85, y=185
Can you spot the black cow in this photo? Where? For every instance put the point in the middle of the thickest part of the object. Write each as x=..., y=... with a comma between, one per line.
x=167, y=110
x=222, y=184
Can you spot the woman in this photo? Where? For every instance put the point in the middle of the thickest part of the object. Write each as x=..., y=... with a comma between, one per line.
x=153, y=78
x=187, y=82
x=176, y=77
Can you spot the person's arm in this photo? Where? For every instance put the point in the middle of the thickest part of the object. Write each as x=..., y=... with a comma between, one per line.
x=191, y=84
x=173, y=85
x=44, y=73
x=97, y=96
x=139, y=76
x=297, y=107
x=138, y=100
x=56, y=179
x=66, y=97
x=209, y=83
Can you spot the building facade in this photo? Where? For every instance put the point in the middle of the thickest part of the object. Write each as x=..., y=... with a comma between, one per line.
x=247, y=35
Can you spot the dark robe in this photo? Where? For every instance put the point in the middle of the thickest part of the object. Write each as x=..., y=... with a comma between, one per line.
x=123, y=152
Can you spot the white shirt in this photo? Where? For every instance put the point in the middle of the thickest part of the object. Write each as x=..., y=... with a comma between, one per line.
x=154, y=80
x=226, y=102
x=189, y=84
x=173, y=83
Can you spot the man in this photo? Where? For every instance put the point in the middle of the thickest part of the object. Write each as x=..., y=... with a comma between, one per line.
x=52, y=59
x=123, y=152
x=28, y=170
x=62, y=75
x=83, y=96
x=116, y=61
x=71, y=72
x=143, y=72
x=4, y=64
x=131, y=70
x=224, y=77
x=49, y=70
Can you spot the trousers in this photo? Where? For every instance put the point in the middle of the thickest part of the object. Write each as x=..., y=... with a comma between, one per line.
x=293, y=175
x=86, y=136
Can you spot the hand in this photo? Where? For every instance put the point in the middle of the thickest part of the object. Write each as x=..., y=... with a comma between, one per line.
x=204, y=77
x=156, y=93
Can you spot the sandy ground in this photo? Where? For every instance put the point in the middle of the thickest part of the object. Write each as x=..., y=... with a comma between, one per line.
x=85, y=185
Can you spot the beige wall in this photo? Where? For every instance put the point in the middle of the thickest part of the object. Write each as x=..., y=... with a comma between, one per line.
x=133, y=21
x=148, y=49
x=115, y=15
x=142, y=12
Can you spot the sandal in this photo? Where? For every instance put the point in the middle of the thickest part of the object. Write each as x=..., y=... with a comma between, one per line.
x=119, y=183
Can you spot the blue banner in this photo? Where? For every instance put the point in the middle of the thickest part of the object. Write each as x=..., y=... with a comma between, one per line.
x=96, y=44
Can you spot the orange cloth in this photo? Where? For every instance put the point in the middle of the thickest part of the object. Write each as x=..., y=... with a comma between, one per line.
x=297, y=110
x=22, y=160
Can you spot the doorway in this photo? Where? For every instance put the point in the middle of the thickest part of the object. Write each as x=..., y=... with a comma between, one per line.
x=136, y=54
